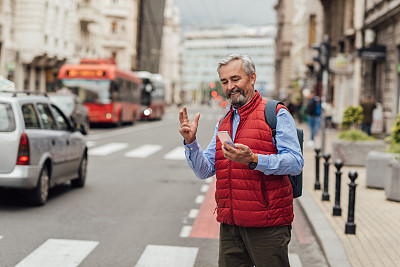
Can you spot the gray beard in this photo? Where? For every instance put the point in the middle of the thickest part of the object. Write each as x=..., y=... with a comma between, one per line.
x=241, y=101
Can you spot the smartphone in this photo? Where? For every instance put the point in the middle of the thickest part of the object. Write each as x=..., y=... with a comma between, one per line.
x=225, y=137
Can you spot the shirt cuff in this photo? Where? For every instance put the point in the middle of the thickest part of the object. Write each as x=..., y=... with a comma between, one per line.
x=192, y=147
x=263, y=164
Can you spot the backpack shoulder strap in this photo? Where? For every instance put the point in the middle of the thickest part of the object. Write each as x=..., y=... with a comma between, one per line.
x=270, y=114
x=223, y=118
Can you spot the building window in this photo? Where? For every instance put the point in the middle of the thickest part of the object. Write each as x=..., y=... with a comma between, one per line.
x=114, y=27
x=312, y=30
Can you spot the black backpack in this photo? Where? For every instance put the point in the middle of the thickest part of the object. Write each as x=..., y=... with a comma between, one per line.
x=270, y=118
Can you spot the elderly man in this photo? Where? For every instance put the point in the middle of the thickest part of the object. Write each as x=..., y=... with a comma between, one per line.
x=253, y=192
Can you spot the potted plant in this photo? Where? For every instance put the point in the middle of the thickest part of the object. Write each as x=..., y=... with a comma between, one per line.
x=392, y=181
x=353, y=145
x=379, y=163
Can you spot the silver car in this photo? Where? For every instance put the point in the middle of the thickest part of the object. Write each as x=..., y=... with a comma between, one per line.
x=40, y=146
x=73, y=107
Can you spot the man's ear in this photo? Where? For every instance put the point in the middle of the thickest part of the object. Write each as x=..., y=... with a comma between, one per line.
x=253, y=78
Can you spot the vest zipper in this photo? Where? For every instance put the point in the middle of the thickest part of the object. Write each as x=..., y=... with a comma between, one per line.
x=230, y=190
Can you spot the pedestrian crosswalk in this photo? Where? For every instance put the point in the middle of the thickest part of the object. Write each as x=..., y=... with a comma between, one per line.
x=142, y=151
x=59, y=252
x=71, y=253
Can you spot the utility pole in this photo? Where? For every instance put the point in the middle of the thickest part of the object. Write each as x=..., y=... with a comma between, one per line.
x=323, y=60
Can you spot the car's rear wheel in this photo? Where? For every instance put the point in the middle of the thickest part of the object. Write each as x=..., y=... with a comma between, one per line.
x=80, y=181
x=39, y=195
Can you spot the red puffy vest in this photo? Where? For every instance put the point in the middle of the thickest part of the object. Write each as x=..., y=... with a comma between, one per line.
x=245, y=197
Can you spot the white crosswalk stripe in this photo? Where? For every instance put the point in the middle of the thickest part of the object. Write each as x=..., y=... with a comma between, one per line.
x=143, y=151
x=107, y=149
x=60, y=253
x=167, y=256
x=294, y=260
x=177, y=153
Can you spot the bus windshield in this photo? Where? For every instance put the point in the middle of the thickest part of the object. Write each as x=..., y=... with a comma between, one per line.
x=90, y=91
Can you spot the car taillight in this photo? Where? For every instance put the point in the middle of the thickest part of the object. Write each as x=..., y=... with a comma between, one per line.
x=23, y=150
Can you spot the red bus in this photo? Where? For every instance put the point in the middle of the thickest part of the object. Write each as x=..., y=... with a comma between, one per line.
x=110, y=94
x=153, y=96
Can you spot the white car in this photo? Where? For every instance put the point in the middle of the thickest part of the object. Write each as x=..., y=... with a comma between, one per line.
x=40, y=146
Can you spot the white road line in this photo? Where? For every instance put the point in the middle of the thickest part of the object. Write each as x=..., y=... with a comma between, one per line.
x=204, y=188
x=177, y=153
x=167, y=256
x=60, y=253
x=193, y=213
x=199, y=199
x=1, y=237
x=90, y=143
x=143, y=151
x=185, y=231
x=107, y=149
x=294, y=260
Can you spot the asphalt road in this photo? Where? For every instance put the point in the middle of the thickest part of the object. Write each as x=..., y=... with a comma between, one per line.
x=139, y=206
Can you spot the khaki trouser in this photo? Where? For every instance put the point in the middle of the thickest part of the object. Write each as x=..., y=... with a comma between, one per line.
x=253, y=246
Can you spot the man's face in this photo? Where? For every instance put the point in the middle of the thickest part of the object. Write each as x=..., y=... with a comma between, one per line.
x=237, y=86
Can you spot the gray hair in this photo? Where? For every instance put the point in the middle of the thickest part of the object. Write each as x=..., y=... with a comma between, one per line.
x=248, y=64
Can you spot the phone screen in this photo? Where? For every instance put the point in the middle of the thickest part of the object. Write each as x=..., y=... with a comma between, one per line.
x=225, y=137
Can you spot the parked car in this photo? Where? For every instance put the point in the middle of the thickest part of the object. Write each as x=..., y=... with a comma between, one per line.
x=40, y=146
x=73, y=107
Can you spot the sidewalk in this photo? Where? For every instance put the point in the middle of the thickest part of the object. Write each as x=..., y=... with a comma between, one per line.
x=377, y=238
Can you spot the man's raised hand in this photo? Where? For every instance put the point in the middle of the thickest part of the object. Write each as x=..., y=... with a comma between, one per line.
x=187, y=128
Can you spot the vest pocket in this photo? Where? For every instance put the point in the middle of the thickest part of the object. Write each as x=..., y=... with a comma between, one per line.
x=263, y=192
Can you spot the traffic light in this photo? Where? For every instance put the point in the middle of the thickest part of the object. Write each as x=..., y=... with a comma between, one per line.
x=318, y=57
x=323, y=54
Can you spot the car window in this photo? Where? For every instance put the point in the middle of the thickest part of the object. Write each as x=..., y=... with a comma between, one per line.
x=30, y=117
x=46, y=117
x=7, y=121
x=62, y=122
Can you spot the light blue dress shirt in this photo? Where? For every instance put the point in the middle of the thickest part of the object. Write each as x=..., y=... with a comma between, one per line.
x=289, y=159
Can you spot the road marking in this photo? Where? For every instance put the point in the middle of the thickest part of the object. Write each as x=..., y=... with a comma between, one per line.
x=60, y=253
x=167, y=256
x=185, y=231
x=205, y=225
x=294, y=260
x=177, y=153
x=1, y=237
x=193, y=213
x=90, y=143
x=107, y=149
x=128, y=130
x=199, y=199
x=143, y=151
x=204, y=188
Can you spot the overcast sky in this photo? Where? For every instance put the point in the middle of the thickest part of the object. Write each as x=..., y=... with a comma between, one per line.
x=208, y=13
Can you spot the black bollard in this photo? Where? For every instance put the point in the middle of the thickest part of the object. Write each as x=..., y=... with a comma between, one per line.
x=325, y=194
x=337, y=210
x=350, y=225
x=317, y=184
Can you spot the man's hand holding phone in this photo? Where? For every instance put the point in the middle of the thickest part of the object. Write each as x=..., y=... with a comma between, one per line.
x=225, y=138
x=236, y=152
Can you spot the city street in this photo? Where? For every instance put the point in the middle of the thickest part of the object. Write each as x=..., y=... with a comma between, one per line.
x=141, y=206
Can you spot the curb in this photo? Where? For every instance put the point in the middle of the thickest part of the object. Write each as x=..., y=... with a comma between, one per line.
x=330, y=243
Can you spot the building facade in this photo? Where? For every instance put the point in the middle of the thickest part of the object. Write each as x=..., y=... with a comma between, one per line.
x=364, y=37
x=149, y=35
x=381, y=57
x=284, y=41
x=203, y=49
x=170, y=60
x=38, y=36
